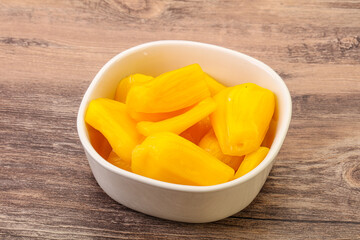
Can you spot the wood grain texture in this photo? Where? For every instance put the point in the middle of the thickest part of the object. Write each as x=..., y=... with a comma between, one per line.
x=51, y=50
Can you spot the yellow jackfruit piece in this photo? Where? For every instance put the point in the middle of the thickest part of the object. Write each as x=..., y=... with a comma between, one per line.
x=125, y=85
x=213, y=85
x=210, y=144
x=196, y=132
x=181, y=122
x=155, y=117
x=168, y=157
x=170, y=91
x=242, y=118
x=114, y=159
x=218, y=120
x=99, y=142
x=251, y=161
x=111, y=119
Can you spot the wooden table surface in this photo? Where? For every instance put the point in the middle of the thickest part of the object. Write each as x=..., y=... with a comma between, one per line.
x=51, y=50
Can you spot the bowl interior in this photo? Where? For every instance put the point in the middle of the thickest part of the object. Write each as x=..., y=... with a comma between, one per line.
x=227, y=66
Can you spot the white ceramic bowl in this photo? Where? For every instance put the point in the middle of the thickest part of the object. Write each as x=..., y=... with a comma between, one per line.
x=194, y=204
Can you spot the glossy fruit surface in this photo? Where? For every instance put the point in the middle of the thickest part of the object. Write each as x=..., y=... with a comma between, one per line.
x=179, y=123
x=168, y=157
x=251, y=161
x=242, y=118
x=111, y=119
x=170, y=91
x=125, y=85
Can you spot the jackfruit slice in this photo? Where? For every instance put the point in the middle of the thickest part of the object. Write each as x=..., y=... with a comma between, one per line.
x=170, y=91
x=242, y=118
x=218, y=120
x=111, y=119
x=181, y=122
x=125, y=85
x=251, y=161
x=155, y=117
x=99, y=142
x=168, y=157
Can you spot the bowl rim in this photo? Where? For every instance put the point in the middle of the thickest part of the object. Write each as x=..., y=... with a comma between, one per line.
x=275, y=148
